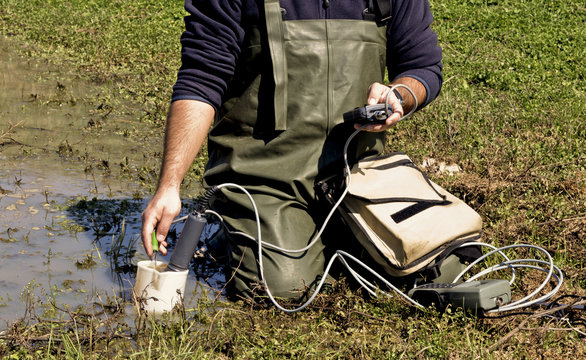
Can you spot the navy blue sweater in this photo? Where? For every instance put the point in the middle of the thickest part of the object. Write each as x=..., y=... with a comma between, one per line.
x=214, y=33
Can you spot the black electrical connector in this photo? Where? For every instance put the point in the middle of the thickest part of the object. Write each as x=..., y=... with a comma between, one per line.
x=372, y=114
x=191, y=233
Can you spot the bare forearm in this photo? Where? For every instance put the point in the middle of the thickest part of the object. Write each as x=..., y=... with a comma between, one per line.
x=417, y=88
x=188, y=123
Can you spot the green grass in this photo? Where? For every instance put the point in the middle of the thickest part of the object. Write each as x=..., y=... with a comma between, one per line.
x=511, y=115
x=338, y=326
x=111, y=40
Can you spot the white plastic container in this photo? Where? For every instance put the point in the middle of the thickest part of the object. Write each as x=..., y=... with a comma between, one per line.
x=161, y=290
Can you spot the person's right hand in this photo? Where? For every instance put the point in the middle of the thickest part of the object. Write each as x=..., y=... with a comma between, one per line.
x=159, y=214
x=377, y=94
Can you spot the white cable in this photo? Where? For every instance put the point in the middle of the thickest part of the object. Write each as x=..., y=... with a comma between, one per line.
x=260, y=257
x=522, y=304
x=183, y=218
x=385, y=281
x=482, y=258
x=512, y=264
x=261, y=244
x=415, y=102
x=543, y=284
x=347, y=173
x=372, y=288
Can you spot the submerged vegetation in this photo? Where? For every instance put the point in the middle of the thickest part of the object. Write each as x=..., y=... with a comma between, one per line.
x=510, y=118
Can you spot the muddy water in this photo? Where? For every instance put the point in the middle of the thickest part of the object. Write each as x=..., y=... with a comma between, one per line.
x=41, y=243
x=69, y=229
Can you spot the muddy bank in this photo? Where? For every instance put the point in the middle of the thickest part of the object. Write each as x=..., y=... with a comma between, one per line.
x=51, y=110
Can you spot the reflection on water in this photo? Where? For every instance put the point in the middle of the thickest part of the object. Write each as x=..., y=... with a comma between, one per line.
x=41, y=242
x=65, y=227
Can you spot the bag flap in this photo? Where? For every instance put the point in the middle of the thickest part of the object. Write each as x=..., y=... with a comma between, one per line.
x=402, y=215
x=370, y=180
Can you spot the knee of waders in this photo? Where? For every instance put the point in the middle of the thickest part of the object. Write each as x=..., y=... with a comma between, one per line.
x=291, y=285
x=287, y=277
x=246, y=285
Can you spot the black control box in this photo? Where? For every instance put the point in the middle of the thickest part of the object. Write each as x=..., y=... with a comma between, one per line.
x=372, y=114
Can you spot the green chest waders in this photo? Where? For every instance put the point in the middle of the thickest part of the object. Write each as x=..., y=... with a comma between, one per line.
x=280, y=129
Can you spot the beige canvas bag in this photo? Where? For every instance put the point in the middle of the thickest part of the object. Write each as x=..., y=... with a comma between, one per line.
x=403, y=219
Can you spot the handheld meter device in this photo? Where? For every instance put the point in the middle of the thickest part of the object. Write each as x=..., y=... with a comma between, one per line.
x=474, y=295
x=373, y=114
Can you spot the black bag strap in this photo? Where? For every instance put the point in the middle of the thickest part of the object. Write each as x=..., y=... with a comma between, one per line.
x=415, y=209
x=378, y=11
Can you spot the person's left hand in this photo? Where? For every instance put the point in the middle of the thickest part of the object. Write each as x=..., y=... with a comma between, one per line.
x=377, y=94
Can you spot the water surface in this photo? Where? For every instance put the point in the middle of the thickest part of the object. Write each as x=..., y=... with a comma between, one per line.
x=69, y=224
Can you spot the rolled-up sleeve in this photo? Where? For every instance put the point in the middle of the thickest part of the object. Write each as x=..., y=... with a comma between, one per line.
x=210, y=48
x=413, y=49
